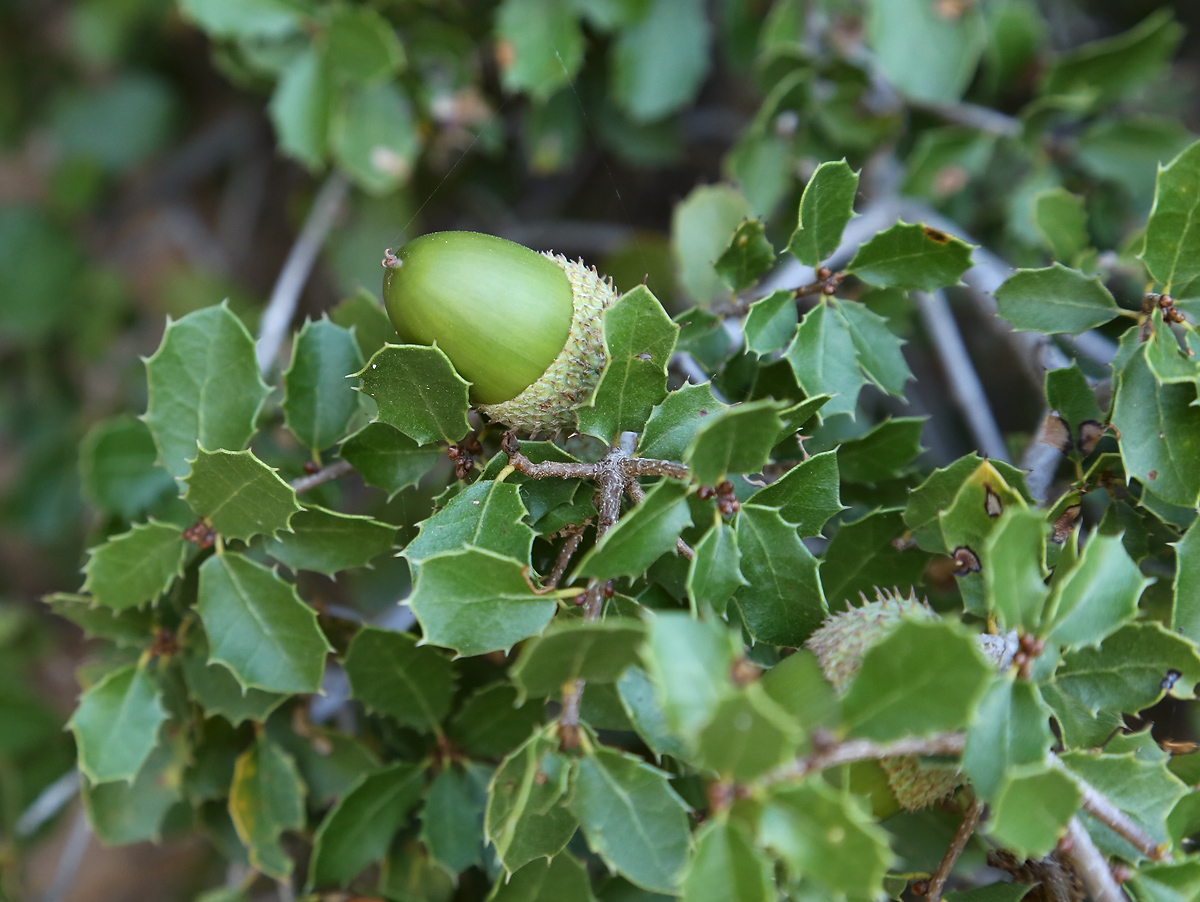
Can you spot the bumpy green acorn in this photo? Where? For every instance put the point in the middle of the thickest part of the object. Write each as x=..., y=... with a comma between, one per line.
x=840, y=644
x=523, y=328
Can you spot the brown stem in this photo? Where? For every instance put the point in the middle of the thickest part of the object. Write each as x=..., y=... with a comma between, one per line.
x=335, y=470
x=551, y=469
x=853, y=750
x=564, y=557
x=961, y=837
x=1099, y=807
x=1090, y=865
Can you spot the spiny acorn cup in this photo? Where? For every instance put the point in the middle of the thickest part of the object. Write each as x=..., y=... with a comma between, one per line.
x=840, y=644
x=523, y=328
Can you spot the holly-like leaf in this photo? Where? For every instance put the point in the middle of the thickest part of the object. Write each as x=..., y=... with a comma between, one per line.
x=771, y=323
x=1172, y=234
x=217, y=691
x=747, y=257
x=782, y=602
x=714, y=573
x=825, y=207
x=130, y=627
x=118, y=470
x=1130, y=669
x=913, y=257
x=674, y=422
x=1145, y=790
x=883, y=453
x=736, y=440
x=1186, y=616
x=359, y=828
x=749, y=734
x=631, y=818
x=393, y=675
x=901, y=687
x=319, y=401
x=807, y=495
x=452, y=816
x=387, y=458
x=490, y=723
x=1160, y=432
x=642, y=536
x=879, y=349
x=541, y=46
x=476, y=601
x=825, y=360
x=1011, y=730
x=1096, y=596
x=1014, y=569
x=797, y=416
x=487, y=515
x=824, y=834
x=638, y=339
x=938, y=493
x=258, y=627
x=135, y=567
x=1031, y=810
x=562, y=879
x=645, y=714
x=700, y=227
x=1068, y=392
x=325, y=541
x=418, y=392
x=864, y=555
x=1167, y=882
x=116, y=724
x=1062, y=220
x=363, y=315
x=688, y=662
x=596, y=651
x=525, y=818
x=727, y=867
x=121, y=813
x=1167, y=360
x=798, y=686
x=203, y=387
x=265, y=799
x=239, y=495
x=1055, y=299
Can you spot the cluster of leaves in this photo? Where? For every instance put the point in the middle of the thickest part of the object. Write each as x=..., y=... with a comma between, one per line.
x=697, y=688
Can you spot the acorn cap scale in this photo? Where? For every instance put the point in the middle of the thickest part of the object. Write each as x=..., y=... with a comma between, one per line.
x=525, y=329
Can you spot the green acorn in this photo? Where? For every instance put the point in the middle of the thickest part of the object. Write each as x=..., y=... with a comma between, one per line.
x=523, y=328
x=840, y=644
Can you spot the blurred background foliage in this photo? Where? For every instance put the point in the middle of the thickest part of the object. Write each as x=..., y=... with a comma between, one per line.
x=157, y=156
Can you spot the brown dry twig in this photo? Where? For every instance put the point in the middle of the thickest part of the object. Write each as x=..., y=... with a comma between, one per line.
x=961, y=837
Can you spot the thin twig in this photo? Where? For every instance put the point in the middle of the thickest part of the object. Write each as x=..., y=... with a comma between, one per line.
x=981, y=118
x=965, y=387
x=49, y=802
x=961, y=837
x=1098, y=806
x=333, y=471
x=1090, y=865
x=564, y=557
x=855, y=750
x=277, y=317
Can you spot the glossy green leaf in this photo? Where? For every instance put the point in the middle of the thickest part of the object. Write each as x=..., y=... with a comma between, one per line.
x=258, y=627
x=562, y=879
x=476, y=601
x=359, y=828
x=373, y=136
x=749, y=735
x=660, y=62
x=452, y=816
x=882, y=453
x=825, y=360
x=490, y=723
x=363, y=315
x=825, y=207
x=807, y=495
x=879, y=349
x=118, y=470
x=901, y=687
x=864, y=555
x=596, y=651
x=391, y=674
x=319, y=400
x=1186, y=614
x=938, y=493
x=239, y=495
x=714, y=573
x=361, y=46
x=1031, y=810
x=1146, y=791
x=525, y=818
x=1169, y=363
x=215, y=689
x=782, y=602
x=1128, y=671
x=204, y=388
x=1068, y=392
x=700, y=228
x=771, y=323
x=327, y=542
x=646, y=714
x=265, y=799
x=688, y=662
x=1014, y=569
x=387, y=458
x=747, y=257
x=487, y=515
x=418, y=392
x=641, y=536
x=1055, y=299
x=675, y=421
x=1167, y=882
x=1096, y=596
x=116, y=724
x=1011, y=729
x=738, y=439
x=121, y=813
x=638, y=339
x=130, y=627
x=1172, y=237
x=1160, y=432
x=799, y=687
x=135, y=567
x=895, y=27
x=1062, y=220
x=299, y=109
x=631, y=818
x=824, y=834
x=727, y=867
x=913, y=257
x=541, y=46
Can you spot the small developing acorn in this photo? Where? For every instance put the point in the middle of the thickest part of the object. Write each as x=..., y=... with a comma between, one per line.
x=840, y=644
x=523, y=328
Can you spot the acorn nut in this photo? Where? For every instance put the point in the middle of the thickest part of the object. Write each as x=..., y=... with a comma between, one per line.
x=523, y=328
